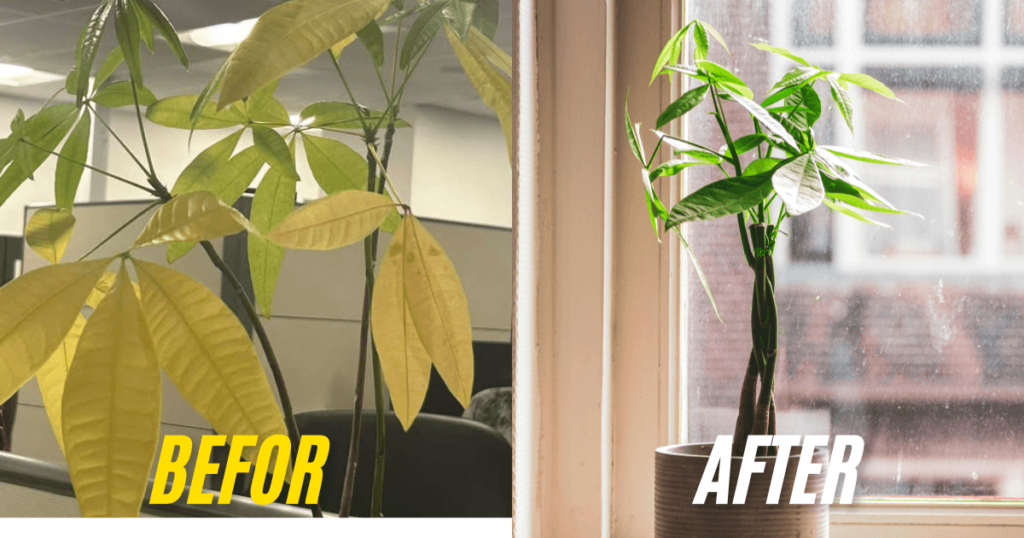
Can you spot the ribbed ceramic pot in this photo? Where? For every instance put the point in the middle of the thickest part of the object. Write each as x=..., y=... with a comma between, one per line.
x=677, y=473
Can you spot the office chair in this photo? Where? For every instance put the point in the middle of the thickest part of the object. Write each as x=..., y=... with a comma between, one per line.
x=442, y=467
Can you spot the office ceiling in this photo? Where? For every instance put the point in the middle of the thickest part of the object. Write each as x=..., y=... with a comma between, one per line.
x=43, y=34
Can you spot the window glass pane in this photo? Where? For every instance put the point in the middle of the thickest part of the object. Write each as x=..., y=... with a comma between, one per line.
x=912, y=337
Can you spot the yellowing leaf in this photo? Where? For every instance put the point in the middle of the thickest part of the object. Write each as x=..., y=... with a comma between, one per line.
x=274, y=200
x=340, y=45
x=195, y=216
x=288, y=36
x=439, y=309
x=206, y=165
x=48, y=232
x=403, y=358
x=495, y=90
x=53, y=374
x=176, y=112
x=111, y=408
x=208, y=355
x=38, y=311
x=333, y=222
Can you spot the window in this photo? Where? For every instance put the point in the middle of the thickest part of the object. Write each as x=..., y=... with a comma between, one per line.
x=911, y=337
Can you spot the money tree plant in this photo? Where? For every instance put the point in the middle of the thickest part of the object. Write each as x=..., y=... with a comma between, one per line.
x=776, y=171
x=98, y=332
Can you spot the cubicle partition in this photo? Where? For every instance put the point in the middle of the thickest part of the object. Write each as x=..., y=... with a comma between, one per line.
x=316, y=310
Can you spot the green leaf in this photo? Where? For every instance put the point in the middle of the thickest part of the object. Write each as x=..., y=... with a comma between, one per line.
x=459, y=14
x=69, y=172
x=851, y=213
x=88, y=47
x=157, y=18
x=486, y=17
x=700, y=39
x=126, y=23
x=868, y=157
x=724, y=197
x=799, y=185
x=205, y=166
x=120, y=94
x=45, y=129
x=846, y=178
x=274, y=150
x=683, y=105
x=422, y=33
x=808, y=108
x=373, y=39
x=670, y=52
x=720, y=73
x=274, y=200
x=764, y=117
x=700, y=272
x=682, y=147
x=146, y=30
x=201, y=106
x=175, y=112
x=842, y=100
x=761, y=166
x=109, y=65
x=631, y=135
x=781, y=52
x=288, y=36
x=335, y=166
x=718, y=37
x=797, y=76
x=671, y=168
x=655, y=208
x=744, y=144
x=868, y=82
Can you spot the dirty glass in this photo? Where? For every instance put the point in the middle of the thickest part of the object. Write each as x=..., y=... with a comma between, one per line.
x=911, y=337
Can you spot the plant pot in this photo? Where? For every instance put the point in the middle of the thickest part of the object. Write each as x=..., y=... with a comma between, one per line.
x=677, y=473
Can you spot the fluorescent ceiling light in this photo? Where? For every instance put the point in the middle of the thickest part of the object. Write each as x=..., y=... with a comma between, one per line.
x=18, y=75
x=221, y=36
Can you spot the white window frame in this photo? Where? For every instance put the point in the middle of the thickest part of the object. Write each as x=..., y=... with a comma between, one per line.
x=599, y=320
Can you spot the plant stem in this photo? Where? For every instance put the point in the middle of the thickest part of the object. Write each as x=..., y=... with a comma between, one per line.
x=142, y=132
x=351, y=467
x=275, y=366
x=378, y=374
x=119, y=230
x=118, y=138
x=90, y=167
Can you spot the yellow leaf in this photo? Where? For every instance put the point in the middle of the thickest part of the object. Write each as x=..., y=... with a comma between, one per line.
x=288, y=36
x=111, y=408
x=208, y=355
x=439, y=308
x=48, y=232
x=333, y=222
x=479, y=43
x=340, y=45
x=403, y=358
x=52, y=375
x=495, y=90
x=194, y=216
x=38, y=311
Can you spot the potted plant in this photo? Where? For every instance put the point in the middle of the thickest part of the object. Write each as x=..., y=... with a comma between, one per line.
x=100, y=374
x=776, y=171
